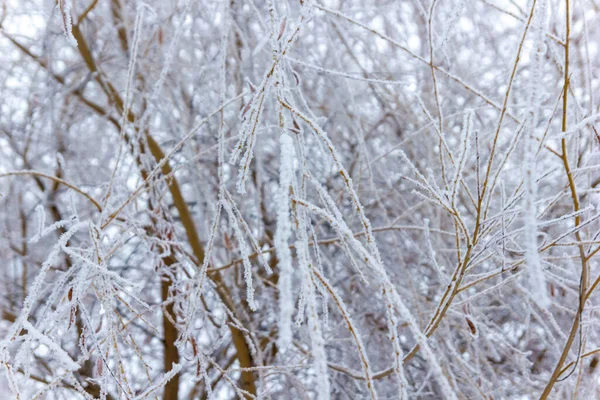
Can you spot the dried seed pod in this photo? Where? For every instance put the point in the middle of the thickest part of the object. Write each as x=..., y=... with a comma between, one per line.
x=593, y=364
x=472, y=326
x=99, y=364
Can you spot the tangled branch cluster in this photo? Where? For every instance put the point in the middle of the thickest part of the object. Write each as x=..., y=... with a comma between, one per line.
x=299, y=199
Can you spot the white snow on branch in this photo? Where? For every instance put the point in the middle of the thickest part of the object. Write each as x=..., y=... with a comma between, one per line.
x=163, y=381
x=60, y=355
x=537, y=280
x=67, y=20
x=282, y=236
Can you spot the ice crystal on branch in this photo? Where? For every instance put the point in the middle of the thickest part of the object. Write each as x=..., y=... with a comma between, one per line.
x=299, y=199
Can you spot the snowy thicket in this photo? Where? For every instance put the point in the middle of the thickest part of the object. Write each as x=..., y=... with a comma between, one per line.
x=299, y=199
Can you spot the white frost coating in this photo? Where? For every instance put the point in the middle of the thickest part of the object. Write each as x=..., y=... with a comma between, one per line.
x=166, y=378
x=318, y=344
x=450, y=23
x=67, y=20
x=128, y=97
x=245, y=253
x=427, y=353
x=301, y=304
x=250, y=143
x=345, y=175
x=282, y=235
x=248, y=131
x=466, y=132
x=50, y=228
x=36, y=287
x=390, y=295
x=246, y=228
x=537, y=280
x=314, y=326
x=392, y=322
x=255, y=107
x=353, y=331
x=39, y=209
x=61, y=356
